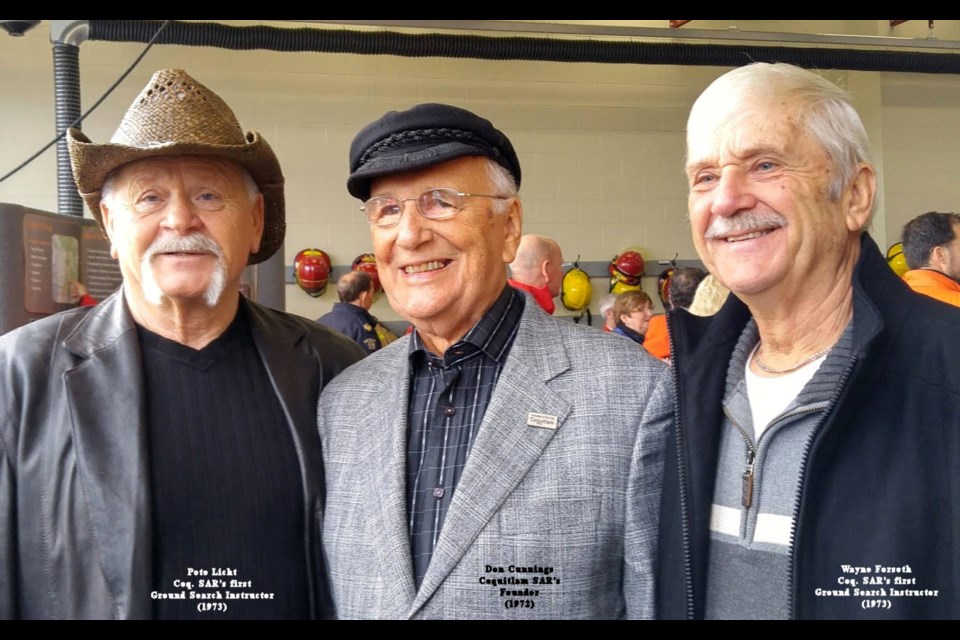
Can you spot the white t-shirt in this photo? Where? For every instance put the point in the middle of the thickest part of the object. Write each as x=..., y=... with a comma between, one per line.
x=770, y=396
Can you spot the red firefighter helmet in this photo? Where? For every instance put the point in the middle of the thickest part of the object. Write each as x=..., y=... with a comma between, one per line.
x=663, y=286
x=627, y=267
x=311, y=268
x=368, y=262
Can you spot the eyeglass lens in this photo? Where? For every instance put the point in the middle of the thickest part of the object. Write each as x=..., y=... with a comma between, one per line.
x=435, y=204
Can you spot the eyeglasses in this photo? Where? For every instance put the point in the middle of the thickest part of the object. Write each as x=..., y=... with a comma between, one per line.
x=433, y=204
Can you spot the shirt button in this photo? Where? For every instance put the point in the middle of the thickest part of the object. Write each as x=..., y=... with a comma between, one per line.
x=438, y=493
x=449, y=411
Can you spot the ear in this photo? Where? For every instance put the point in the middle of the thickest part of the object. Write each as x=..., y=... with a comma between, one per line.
x=107, y=219
x=545, y=270
x=257, y=213
x=860, y=194
x=512, y=229
x=938, y=259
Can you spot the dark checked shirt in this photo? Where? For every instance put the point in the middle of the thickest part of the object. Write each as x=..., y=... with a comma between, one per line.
x=448, y=397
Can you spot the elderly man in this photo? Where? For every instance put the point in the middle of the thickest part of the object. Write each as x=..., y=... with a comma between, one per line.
x=606, y=311
x=931, y=245
x=488, y=465
x=158, y=456
x=351, y=316
x=814, y=469
x=538, y=269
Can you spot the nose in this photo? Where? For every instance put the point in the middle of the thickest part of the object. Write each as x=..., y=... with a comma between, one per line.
x=732, y=193
x=413, y=229
x=180, y=215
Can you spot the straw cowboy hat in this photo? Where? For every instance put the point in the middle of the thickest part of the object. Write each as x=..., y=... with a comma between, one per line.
x=175, y=115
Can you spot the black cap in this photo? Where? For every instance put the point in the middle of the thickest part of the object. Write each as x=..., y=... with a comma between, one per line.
x=426, y=135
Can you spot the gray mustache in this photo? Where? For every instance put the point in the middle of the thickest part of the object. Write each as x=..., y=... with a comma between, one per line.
x=193, y=242
x=747, y=221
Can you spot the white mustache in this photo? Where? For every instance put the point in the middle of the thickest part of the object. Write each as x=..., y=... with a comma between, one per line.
x=194, y=242
x=744, y=222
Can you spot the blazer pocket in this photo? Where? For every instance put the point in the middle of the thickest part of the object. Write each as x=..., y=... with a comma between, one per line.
x=551, y=516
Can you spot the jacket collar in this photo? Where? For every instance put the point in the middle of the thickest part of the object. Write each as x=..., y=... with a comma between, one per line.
x=931, y=278
x=110, y=321
x=878, y=294
x=352, y=309
x=101, y=327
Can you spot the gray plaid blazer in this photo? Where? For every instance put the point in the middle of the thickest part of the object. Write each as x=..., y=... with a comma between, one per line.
x=545, y=522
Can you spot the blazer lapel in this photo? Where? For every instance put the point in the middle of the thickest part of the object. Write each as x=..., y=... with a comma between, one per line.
x=505, y=442
x=105, y=394
x=386, y=436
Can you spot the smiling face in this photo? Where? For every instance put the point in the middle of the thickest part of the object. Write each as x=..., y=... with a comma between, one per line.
x=760, y=211
x=443, y=275
x=182, y=229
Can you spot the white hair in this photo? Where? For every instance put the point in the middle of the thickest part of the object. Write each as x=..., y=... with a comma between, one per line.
x=606, y=303
x=826, y=111
x=503, y=185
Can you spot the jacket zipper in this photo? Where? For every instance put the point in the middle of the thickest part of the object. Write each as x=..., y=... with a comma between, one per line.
x=682, y=477
x=746, y=479
x=794, y=522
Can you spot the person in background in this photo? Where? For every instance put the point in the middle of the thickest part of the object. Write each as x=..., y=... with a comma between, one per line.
x=683, y=286
x=606, y=311
x=633, y=310
x=351, y=316
x=79, y=291
x=538, y=269
x=710, y=296
x=931, y=245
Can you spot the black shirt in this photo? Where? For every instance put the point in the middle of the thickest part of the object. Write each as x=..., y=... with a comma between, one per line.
x=226, y=489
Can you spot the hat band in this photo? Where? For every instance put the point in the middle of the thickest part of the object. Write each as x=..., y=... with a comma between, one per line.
x=416, y=136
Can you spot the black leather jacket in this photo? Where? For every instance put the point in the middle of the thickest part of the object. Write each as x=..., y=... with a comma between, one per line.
x=75, y=530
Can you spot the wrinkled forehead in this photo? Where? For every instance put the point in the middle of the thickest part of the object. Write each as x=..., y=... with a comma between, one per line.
x=155, y=170
x=733, y=119
x=463, y=174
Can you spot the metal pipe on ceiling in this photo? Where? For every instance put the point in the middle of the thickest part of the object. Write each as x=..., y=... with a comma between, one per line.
x=458, y=45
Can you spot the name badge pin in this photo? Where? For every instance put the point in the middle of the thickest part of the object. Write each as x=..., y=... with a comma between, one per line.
x=541, y=420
